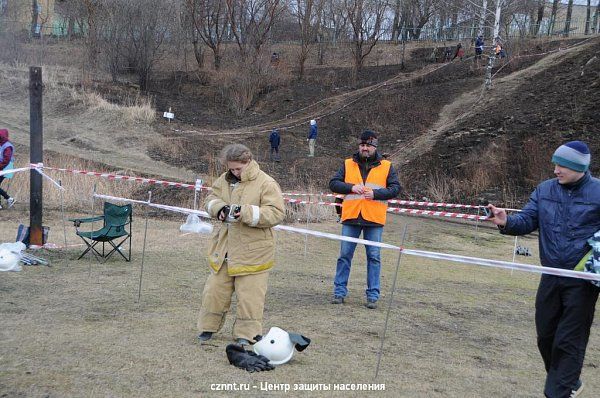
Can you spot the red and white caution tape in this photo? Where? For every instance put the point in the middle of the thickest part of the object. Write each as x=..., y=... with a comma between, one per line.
x=124, y=177
x=400, y=210
x=393, y=201
x=436, y=213
x=411, y=252
x=192, y=186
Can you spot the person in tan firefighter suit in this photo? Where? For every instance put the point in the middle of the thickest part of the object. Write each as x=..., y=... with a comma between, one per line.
x=241, y=253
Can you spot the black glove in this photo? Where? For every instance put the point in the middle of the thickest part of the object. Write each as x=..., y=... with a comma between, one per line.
x=222, y=214
x=248, y=360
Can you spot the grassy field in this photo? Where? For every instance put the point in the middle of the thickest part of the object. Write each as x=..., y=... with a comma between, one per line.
x=77, y=329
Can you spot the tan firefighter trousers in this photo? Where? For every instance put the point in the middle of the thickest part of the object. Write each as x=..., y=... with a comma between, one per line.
x=216, y=299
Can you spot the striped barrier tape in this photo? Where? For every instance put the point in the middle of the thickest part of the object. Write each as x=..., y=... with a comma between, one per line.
x=123, y=177
x=401, y=210
x=192, y=186
x=397, y=201
x=411, y=252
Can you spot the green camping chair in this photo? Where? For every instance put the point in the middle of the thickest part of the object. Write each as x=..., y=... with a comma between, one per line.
x=114, y=229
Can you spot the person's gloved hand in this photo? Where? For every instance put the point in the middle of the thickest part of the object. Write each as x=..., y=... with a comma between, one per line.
x=248, y=360
x=222, y=214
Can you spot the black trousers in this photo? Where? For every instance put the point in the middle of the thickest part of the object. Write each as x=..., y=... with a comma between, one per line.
x=564, y=312
x=2, y=191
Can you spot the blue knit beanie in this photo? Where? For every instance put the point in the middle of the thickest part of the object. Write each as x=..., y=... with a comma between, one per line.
x=574, y=155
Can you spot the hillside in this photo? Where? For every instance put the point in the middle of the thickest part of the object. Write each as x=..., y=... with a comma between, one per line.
x=450, y=139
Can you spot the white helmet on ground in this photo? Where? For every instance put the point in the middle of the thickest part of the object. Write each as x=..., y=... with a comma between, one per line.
x=276, y=346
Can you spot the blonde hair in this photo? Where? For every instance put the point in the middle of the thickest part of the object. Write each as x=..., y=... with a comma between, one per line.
x=235, y=153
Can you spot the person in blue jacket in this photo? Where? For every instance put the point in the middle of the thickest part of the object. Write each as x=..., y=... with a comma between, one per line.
x=479, y=45
x=312, y=138
x=275, y=140
x=566, y=211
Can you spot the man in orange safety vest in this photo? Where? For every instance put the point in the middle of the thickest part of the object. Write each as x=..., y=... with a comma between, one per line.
x=368, y=181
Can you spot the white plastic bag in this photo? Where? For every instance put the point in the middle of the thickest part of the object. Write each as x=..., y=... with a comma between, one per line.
x=10, y=254
x=194, y=225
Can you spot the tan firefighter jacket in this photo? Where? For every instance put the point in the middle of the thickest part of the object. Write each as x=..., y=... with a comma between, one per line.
x=248, y=242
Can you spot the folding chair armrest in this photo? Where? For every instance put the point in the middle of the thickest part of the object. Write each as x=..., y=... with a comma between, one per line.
x=78, y=221
x=89, y=219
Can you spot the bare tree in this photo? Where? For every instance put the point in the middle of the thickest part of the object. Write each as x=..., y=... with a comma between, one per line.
x=74, y=13
x=333, y=26
x=366, y=19
x=540, y=16
x=588, y=15
x=307, y=14
x=568, y=20
x=210, y=22
x=420, y=11
x=133, y=34
x=250, y=22
x=482, y=17
x=553, y=16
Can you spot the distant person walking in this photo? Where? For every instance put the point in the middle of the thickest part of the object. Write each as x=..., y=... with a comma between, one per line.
x=7, y=151
x=479, y=44
x=459, y=53
x=368, y=181
x=275, y=140
x=566, y=211
x=312, y=138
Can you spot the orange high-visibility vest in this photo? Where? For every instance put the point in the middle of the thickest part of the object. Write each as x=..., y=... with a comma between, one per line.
x=371, y=210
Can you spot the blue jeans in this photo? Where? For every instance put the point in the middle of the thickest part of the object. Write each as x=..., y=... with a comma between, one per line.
x=344, y=262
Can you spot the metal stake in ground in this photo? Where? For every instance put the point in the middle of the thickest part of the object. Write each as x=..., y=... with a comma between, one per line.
x=93, y=196
x=144, y=248
x=62, y=211
x=387, y=315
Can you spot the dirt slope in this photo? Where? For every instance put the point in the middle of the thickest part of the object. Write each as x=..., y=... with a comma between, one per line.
x=516, y=125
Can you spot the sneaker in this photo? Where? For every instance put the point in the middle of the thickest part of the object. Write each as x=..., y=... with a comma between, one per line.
x=10, y=202
x=337, y=300
x=242, y=342
x=205, y=336
x=371, y=304
x=577, y=389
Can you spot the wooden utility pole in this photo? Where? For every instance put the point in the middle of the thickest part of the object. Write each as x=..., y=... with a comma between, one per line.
x=36, y=140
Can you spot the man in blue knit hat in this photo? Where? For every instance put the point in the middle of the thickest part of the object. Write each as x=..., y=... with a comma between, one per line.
x=566, y=211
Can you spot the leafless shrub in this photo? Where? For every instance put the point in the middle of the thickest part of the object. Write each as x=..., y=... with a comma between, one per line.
x=439, y=187
x=244, y=79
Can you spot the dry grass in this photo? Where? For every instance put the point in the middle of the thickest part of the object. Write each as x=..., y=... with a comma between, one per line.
x=63, y=93
x=454, y=330
x=136, y=109
x=78, y=188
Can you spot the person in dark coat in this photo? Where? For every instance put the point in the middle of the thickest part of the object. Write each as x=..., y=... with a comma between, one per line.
x=6, y=156
x=566, y=211
x=275, y=140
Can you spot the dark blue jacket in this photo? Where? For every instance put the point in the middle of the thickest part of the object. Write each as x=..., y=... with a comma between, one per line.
x=479, y=43
x=566, y=216
x=312, y=133
x=392, y=186
x=274, y=139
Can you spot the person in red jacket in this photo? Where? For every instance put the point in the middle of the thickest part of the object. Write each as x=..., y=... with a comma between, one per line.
x=6, y=155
